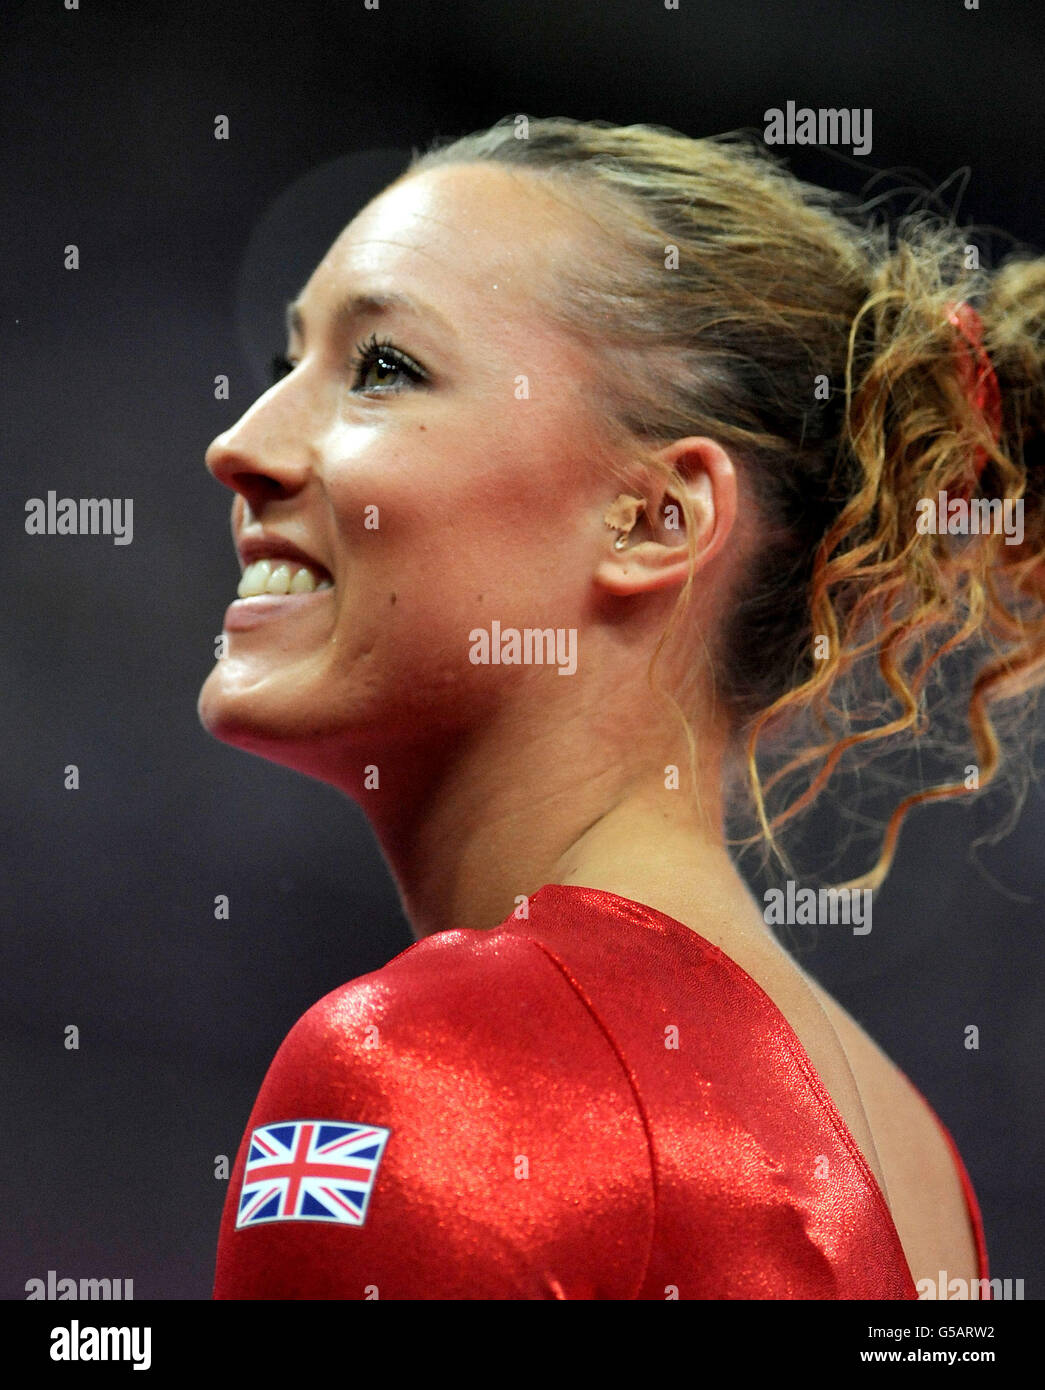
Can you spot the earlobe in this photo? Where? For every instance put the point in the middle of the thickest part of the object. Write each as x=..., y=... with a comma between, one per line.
x=643, y=563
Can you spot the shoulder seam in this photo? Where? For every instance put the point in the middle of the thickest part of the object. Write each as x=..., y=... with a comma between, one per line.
x=622, y=1062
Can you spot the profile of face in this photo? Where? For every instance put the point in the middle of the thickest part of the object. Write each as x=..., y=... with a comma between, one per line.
x=430, y=457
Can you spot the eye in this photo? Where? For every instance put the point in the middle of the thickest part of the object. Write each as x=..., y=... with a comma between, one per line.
x=383, y=358
x=378, y=356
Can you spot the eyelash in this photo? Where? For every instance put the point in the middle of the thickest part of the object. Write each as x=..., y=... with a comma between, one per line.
x=374, y=349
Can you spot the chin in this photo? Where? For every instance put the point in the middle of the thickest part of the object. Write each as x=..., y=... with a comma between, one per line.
x=274, y=727
x=224, y=721
x=252, y=717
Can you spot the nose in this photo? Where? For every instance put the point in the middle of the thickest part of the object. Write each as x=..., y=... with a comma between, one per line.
x=265, y=455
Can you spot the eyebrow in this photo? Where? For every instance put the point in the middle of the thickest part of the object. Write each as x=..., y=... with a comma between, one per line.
x=359, y=306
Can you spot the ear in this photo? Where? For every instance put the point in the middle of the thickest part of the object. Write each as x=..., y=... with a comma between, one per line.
x=655, y=554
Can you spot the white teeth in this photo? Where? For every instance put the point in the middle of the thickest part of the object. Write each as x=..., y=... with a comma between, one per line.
x=279, y=577
x=279, y=580
x=254, y=579
x=304, y=582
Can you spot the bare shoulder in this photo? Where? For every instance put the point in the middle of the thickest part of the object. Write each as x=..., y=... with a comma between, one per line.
x=898, y=1135
x=921, y=1181
x=895, y=1130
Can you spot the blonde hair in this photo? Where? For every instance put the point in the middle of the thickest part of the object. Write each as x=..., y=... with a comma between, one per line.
x=778, y=283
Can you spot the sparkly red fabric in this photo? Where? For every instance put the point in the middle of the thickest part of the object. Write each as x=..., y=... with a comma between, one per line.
x=593, y=1103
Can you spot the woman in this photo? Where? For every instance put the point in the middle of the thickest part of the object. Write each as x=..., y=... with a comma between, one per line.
x=621, y=484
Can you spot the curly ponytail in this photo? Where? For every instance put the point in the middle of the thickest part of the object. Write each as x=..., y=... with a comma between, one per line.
x=820, y=349
x=881, y=584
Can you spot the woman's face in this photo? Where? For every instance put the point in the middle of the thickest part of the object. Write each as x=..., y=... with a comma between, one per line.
x=437, y=491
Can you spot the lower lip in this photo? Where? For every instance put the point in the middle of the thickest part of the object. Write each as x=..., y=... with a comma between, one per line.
x=246, y=613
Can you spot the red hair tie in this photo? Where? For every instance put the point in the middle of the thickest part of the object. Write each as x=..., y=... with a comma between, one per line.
x=976, y=375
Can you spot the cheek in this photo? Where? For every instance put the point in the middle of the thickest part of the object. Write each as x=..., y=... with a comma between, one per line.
x=458, y=520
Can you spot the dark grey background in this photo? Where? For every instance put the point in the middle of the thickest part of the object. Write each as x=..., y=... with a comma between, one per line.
x=188, y=247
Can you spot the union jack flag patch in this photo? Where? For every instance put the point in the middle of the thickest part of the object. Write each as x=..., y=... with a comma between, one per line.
x=310, y=1170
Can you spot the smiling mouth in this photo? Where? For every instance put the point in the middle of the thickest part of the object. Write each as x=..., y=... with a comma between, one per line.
x=278, y=577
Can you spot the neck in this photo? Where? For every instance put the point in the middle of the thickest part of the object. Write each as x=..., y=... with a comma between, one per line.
x=469, y=833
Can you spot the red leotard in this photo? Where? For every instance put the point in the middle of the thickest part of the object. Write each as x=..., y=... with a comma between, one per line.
x=592, y=1103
